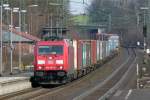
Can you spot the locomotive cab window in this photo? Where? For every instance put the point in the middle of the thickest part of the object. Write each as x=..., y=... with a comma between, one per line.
x=54, y=49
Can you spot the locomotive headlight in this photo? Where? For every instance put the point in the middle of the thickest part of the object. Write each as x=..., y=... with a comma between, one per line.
x=41, y=62
x=40, y=67
x=61, y=67
x=59, y=62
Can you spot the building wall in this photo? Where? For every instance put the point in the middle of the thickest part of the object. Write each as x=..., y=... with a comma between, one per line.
x=26, y=55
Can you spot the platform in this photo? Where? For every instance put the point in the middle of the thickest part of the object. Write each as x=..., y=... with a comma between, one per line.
x=13, y=84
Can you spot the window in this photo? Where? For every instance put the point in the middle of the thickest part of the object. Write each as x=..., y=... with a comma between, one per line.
x=54, y=49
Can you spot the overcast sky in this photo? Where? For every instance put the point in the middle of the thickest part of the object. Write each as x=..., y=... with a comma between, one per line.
x=77, y=6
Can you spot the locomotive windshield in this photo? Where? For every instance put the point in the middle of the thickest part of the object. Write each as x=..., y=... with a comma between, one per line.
x=55, y=49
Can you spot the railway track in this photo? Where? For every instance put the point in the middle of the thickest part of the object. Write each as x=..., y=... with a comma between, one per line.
x=110, y=83
x=76, y=88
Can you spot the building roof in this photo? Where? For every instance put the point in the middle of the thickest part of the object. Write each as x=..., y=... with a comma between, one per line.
x=15, y=37
x=26, y=35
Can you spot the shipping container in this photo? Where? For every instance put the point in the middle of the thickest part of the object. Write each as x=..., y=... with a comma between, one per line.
x=107, y=49
x=103, y=49
x=93, y=51
x=98, y=50
x=77, y=54
x=83, y=53
x=113, y=42
x=86, y=53
x=100, y=43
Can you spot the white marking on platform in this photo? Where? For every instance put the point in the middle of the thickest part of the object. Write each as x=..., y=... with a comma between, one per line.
x=129, y=93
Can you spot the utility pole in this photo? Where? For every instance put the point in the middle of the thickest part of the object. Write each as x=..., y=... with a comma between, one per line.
x=144, y=27
x=110, y=21
x=11, y=45
x=20, y=29
x=19, y=67
x=137, y=73
x=51, y=24
x=1, y=36
x=1, y=56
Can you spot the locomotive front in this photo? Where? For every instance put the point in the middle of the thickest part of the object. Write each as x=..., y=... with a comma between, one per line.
x=49, y=63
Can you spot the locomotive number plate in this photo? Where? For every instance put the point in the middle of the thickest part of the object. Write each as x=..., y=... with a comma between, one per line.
x=50, y=62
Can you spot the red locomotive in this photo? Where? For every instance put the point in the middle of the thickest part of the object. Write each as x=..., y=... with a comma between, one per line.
x=53, y=62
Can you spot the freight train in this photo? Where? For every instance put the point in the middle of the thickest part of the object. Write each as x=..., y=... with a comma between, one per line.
x=61, y=61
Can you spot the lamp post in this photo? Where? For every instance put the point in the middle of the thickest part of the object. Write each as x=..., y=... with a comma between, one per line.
x=11, y=44
x=1, y=56
x=1, y=37
x=30, y=17
x=24, y=29
x=19, y=11
x=109, y=19
x=19, y=40
x=51, y=24
x=144, y=26
x=55, y=4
